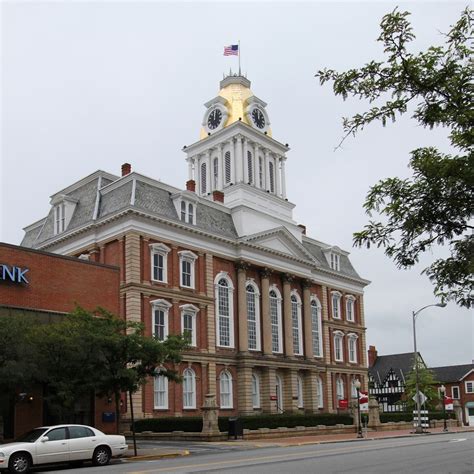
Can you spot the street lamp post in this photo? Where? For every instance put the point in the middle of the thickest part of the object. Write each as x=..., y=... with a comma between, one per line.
x=442, y=389
x=419, y=427
x=359, y=427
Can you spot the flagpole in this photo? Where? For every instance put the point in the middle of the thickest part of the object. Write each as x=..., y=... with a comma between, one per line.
x=239, y=59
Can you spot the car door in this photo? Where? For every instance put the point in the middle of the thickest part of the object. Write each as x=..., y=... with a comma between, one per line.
x=82, y=442
x=55, y=448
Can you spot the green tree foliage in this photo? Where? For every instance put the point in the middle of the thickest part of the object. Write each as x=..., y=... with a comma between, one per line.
x=435, y=206
x=426, y=383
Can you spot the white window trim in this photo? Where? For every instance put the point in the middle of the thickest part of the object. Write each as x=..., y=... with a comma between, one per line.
x=188, y=256
x=315, y=299
x=340, y=336
x=339, y=384
x=299, y=321
x=165, y=406
x=252, y=283
x=256, y=395
x=231, y=390
x=192, y=311
x=353, y=387
x=335, y=261
x=472, y=386
x=279, y=318
x=193, y=382
x=164, y=306
x=218, y=277
x=299, y=391
x=350, y=301
x=339, y=295
x=163, y=250
x=452, y=392
x=320, y=391
x=352, y=337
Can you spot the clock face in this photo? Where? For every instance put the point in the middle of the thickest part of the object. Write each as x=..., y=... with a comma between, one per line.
x=258, y=118
x=214, y=119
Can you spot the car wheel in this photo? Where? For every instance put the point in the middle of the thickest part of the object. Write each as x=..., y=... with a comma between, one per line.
x=19, y=463
x=101, y=456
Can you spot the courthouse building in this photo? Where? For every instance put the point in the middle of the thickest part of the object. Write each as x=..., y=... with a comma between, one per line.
x=275, y=317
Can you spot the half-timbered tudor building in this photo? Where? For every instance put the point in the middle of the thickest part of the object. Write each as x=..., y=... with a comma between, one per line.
x=275, y=317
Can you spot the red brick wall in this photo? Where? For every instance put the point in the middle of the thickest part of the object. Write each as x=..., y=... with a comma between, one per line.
x=58, y=283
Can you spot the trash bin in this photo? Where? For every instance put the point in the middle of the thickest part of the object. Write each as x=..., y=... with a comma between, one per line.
x=236, y=428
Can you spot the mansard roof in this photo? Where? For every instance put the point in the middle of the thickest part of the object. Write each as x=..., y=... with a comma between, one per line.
x=452, y=373
x=401, y=364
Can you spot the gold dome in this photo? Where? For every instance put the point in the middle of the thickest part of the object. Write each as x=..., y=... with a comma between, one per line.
x=236, y=92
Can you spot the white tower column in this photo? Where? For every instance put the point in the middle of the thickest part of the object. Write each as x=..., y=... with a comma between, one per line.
x=238, y=159
x=255, y=165
x=208, y=171
x=245, y=162
x=283, y=180
x=220, y=158
x=267, y=170
x=278, y=174
x=190, y=168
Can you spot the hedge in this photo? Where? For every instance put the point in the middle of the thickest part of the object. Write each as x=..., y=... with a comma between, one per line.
x=194, y=424
x=408, y=416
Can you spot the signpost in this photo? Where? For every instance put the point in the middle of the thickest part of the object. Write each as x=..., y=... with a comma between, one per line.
x=448, y=403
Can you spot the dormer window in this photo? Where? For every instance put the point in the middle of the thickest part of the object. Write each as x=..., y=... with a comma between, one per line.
x=188, y=214
x=63, y=209
x=59, y=218
x=335, y=261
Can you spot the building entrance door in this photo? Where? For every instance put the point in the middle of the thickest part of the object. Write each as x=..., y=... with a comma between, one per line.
x=470, y=415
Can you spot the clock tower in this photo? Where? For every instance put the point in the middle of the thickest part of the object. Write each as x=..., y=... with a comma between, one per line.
x=238, y=158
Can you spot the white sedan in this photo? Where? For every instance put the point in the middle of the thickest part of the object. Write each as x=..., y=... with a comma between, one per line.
x=62, y=444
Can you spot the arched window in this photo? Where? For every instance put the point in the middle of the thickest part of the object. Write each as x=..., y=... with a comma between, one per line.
x=226, y=390
x=336, y=305
x=216, y=172
x=350, y=300
x=260, y=172
x=250, y=166
x=189, y=388
x=253, y=317
x=190, y=214
x=319, y=392
x=316, y=330
x=271, y=173
x=339, y=388
x=203, y=178
x=183, y=211
x=352, y=347
x=338, y=351
x=160, y=309
x=160, y=392
x=227, y=167
x=275, y=318
x=296, y=324
x=255, y=391
x=299, y=391
x=224, y=310
x=279, y=394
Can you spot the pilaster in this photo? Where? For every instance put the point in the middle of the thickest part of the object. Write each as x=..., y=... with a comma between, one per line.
x=310, y=392
x=132, y=258
x=307, y=321
x=242, y=306
x=287, y=322
x=290, y=399
x=244, y=377
x=210, y=313
x=268, y=390
x=266, y=322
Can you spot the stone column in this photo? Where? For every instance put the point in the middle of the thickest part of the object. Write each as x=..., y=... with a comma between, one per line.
x=266, y=322
x=307, y=321
x=290, y=400
x=244, y=380
x=268, y=390
x=238, y=159
x=287, y=322
x=325, y=327
x=242, y=305
x=256, y=167
x=277, y=175
x=310, y=392
x=283, y=178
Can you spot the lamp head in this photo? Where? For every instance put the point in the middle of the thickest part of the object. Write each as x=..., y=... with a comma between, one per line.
x=357, y=384
x=442, y=304
x=442, y=389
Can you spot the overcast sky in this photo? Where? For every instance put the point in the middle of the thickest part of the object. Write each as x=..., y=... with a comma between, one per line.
x=91, y=85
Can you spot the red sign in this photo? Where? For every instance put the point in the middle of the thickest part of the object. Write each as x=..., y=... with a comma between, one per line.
x=343, y=403
x=448, y=400
x=273, y=397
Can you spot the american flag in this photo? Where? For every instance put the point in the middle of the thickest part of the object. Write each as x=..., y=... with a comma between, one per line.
x=231, y=50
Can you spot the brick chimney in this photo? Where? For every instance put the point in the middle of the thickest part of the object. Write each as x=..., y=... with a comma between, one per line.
x=218, y=196
x=303, y=228
x=191, y=185
x=372, y=353
x=126, y=169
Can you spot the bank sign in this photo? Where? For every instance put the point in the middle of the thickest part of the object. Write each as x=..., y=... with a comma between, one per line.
x=13, y=274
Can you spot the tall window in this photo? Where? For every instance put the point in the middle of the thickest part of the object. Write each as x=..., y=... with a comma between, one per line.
x=335, y=261
x=271, y=173
x=189, y=388
x=190, y=213
x=187, y=262
x=319, y=392
x=275, y=317
x=299, y=391
x=203, y=178
x=216, y=172
x=160, y=392
x=188, y=323
x=183, y=211
x=60, y=218
x=339, y=388
x=350, y=309
x=187, y=212
x=296, y=324
x=226, y=390
x=250, y=166
x=338, y=346
x=160, y=309
x=227, y=167
x=253, y=317
x=260, y=172
x=352, y=347
x=224, y=305
x=159, y=262
x=255, y=391
x=336, y=305
x=316, y=331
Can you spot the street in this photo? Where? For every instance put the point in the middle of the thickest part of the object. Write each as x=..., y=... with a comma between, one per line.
x=443, y=453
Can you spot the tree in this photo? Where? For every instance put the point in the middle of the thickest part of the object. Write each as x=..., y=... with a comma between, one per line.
x=435, y=206
x=427, y=385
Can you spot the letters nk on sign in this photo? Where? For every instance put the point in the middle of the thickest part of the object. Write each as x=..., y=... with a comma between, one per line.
x=13, y=274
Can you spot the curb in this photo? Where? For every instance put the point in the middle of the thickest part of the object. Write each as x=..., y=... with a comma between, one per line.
x=151, y=457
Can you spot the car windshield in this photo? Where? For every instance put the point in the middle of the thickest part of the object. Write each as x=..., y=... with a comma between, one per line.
x=31, y=436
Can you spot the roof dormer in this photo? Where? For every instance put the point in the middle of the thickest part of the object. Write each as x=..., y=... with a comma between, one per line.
x=63, y=210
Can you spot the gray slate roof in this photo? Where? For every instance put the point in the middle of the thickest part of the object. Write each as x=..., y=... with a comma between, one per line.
x=452, y=373
x=401, y=364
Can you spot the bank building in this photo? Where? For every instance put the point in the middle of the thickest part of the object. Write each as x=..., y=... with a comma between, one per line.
x=275, y=317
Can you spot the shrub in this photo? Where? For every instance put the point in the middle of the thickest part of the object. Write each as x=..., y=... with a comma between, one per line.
x=408, y=416
x=166, y=425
